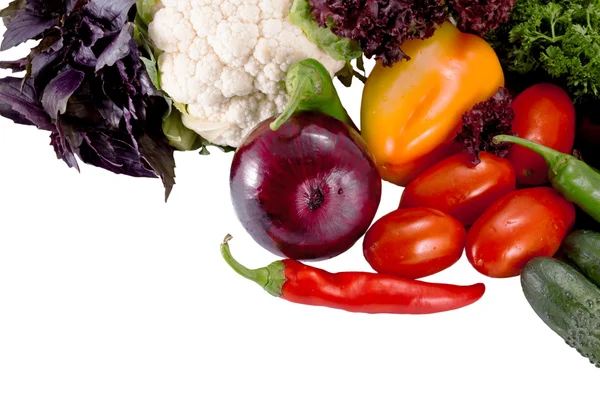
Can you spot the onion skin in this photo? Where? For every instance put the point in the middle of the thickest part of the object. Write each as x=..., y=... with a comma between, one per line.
x=307, y=191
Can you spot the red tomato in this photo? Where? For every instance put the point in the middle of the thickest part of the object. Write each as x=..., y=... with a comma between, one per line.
x=404, y=174
x=461, y=189
x=414, y=243
x=545, y=114
x=522, y=225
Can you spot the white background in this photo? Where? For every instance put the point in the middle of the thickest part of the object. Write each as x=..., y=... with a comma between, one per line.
x=106, y=292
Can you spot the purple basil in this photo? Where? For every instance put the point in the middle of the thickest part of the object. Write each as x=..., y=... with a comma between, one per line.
x=24, y=26
x=87, y=85
x=59, y=91
x=18, y=102
x=117, y=49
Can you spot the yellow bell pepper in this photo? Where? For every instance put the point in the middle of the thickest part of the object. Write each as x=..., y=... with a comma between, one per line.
x=412, y=111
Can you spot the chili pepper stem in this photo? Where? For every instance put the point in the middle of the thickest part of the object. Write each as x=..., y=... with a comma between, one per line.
x=553, y=158
x=303, y=83
x=270, y=278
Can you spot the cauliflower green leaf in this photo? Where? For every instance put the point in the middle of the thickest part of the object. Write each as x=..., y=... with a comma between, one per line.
x=338, y=48
x=146, y=10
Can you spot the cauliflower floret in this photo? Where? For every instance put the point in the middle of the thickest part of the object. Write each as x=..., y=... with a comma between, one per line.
x=227, y=60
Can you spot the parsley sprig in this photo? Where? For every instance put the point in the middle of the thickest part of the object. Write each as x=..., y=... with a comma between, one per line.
x=560, y=39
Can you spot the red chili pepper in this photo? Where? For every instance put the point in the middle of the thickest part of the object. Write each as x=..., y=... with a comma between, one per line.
x=355, y=291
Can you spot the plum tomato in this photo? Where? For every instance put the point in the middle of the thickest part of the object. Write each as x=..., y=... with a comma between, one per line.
x=520, y=226
x=458, y=187
x=414, y=243
x=544, y=113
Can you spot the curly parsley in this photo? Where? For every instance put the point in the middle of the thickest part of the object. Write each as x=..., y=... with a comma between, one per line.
x=560, y=39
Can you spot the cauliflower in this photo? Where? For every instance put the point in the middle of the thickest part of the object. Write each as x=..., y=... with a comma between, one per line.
x=227, y=61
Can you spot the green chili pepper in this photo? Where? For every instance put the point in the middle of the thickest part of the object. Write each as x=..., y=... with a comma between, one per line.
x=311, y=89
x=573, y=178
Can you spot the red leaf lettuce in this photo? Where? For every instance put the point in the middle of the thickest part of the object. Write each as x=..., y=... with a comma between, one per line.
x=382, y=26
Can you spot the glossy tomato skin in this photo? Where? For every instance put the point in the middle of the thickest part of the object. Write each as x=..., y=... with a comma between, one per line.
x=544, y=113
x=414, y=243
x=458, y=187
x=522, y=225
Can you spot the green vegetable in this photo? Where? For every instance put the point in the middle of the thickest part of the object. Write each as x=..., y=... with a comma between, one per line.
x=183, y=138
x=146, y=10
x=311, y=89
x=180, y=137
x=583, y=248
x=338, y=48
x=567, y=302
x=573, y=178
x=560, y=39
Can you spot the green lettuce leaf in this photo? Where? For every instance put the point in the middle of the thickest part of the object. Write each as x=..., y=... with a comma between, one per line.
x=338, y=48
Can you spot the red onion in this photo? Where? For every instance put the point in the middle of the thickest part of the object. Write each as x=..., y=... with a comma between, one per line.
x=309, y=190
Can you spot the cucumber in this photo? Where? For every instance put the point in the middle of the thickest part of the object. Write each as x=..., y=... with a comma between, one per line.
x=583, y=248
x=567, y=302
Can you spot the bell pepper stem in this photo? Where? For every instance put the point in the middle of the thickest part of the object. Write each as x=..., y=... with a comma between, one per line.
x=270, y=278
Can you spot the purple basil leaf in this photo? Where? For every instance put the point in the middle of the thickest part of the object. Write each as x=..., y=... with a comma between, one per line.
x=103, y=150
x=45, y=61
x=47, y=6
x=13, y=9
x=52, y=41
x=148, y=88
x=18, y=102
x=132, y=109
x=127, y=117
x=140, y=109
x=58, y=45
x=81, y=107
x=59, y=90
x=159, y=156
x=111, y=113
x=107, y=150
x=90, y=32
x=15, y=66
x=72, y=4
x=24, y=26
x=44, y=68
x=63, y=149
x=117, y=49
x=122, y=70
x=113, y=11
x=70, y=131
x=84, y=56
